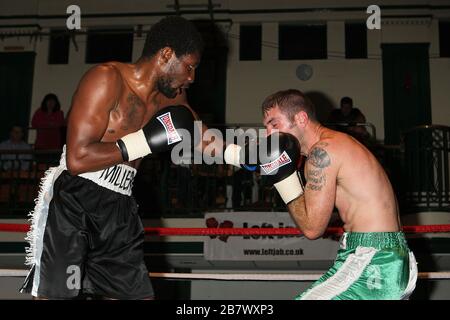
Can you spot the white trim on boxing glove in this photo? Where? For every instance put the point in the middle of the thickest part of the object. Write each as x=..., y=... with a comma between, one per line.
x=136, y=145
x=290, y=188
x=231, y=155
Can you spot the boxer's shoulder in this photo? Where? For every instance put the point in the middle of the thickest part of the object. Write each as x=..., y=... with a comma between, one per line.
x=103, y=79
x=335, y=142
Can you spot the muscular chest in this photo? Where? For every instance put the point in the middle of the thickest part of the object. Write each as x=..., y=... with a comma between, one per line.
x=128, y=115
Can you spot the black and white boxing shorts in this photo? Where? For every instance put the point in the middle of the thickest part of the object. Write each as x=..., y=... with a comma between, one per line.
x=86, y=237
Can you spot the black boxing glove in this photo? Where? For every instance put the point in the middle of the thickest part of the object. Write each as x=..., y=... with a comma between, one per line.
x=277, y=157
x=280, y=166
x=160, y=134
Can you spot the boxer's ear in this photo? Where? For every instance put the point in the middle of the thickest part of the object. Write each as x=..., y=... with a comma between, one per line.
x=301, y=118
x=165, y=54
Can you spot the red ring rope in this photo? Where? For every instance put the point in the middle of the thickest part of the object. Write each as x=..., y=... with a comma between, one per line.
x=230, y=231
x=436, y=228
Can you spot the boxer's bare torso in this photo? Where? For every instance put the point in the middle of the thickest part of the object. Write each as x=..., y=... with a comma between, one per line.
x=342, y=173
x=112, y=100
x=364, y=196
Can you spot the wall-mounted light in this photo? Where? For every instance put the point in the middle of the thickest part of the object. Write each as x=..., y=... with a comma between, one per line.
x=304, y=72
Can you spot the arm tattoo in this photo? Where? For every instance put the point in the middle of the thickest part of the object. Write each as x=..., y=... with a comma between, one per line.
x=316, y=179
x=319, y=159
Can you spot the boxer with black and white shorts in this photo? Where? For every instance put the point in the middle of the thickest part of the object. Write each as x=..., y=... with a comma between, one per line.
x=86, y=235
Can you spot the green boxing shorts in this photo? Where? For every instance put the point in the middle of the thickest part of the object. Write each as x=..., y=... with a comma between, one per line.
x=369, y=266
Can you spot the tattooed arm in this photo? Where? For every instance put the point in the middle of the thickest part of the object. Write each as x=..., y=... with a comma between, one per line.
x=312, y=211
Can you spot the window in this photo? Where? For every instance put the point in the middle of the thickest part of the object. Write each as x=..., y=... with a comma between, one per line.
x=58, y=52
x=355, y=41
x=250, y=42
x=302, y=42
x=444, y=36
x=107, y=45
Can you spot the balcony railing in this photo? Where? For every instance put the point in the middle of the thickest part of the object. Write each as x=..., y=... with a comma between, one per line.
x=418, y=169
x=426, y=168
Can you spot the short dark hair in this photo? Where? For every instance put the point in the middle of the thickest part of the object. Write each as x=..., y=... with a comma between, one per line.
x=16, y=126
x=50, y=96
x=347, y=100
x=175, y=32
x=290, y=102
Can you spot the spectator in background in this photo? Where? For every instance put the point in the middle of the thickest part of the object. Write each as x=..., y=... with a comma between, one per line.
x=342, y=119
x=15, y=142
x=346, y=113
x=49, y=123
x=242, y=189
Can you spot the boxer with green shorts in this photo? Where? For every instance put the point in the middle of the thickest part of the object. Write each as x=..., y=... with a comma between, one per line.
x=374, y=261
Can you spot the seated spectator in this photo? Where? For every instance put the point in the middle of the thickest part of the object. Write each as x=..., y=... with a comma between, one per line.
x=347, y=115
x=15, y=142
x=49, y=122
x=242, y=189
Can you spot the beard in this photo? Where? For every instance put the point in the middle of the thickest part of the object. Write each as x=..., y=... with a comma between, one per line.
x=165, y=88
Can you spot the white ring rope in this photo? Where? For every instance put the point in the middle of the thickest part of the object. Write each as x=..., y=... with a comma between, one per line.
x=13, y=273
x=239, y=276
x=236, y=276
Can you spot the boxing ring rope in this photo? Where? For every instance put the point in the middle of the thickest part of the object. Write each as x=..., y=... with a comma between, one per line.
x=236, y=276
x=441, y=228
x=434, y=228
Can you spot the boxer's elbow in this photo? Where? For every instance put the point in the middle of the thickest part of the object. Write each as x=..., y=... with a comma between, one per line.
x=312, y=234
x=74, y=168
x=74, y=164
